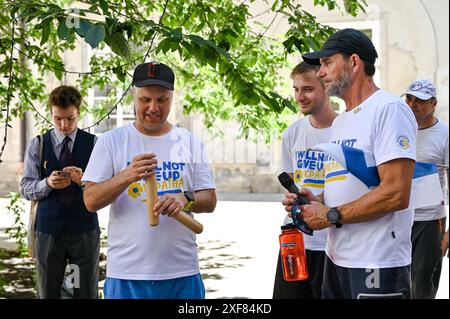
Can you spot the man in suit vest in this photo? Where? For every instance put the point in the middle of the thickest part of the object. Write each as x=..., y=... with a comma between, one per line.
x=66, y=233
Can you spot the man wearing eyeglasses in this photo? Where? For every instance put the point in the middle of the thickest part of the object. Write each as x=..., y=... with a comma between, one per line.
x=66, y=233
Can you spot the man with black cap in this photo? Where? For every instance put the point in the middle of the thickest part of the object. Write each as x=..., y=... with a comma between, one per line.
x=369, y=247
x=143, y=261
x=429, y=222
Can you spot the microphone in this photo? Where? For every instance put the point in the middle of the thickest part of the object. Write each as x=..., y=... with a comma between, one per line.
x=290, y=186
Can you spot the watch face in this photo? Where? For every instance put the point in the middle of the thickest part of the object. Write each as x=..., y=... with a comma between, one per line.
x=189, y=195
x=333, y=215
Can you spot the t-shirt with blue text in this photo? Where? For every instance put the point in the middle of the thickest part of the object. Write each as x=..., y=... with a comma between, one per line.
x=137, y=251
x=384, y=126
x=306, y=166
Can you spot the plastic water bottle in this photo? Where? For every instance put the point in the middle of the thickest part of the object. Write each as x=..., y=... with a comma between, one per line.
x=293, y=255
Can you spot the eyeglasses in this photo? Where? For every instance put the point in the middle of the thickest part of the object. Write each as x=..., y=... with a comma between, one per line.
x=298, y=220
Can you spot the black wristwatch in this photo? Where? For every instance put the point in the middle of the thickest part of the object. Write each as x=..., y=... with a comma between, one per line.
x=333, y=216
x=190, y=201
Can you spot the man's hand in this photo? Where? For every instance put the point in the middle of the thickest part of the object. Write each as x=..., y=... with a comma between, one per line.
x=288, y=201
x=315, y=215
x=142, y=166
x=58, y=181
x=290, y=198
x=170, y=204
x=98, y=195
x=76, y=174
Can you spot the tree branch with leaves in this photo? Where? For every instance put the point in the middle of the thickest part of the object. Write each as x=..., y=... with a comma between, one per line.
x=226, y=66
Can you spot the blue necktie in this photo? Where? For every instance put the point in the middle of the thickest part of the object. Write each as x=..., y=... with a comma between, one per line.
x=66, y=195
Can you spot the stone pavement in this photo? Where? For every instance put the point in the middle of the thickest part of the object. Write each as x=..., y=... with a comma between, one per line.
x=238, y=247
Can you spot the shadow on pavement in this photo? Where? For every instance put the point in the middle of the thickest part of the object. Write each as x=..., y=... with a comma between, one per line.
x=214, y=257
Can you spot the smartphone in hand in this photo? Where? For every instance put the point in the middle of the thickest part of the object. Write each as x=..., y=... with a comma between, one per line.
x=64, y=174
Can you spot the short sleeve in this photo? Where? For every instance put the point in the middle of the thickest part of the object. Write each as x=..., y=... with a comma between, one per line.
x=286, y=152
x=395, y=133
x=100, y=167
x=446, y=152
x=203, y=177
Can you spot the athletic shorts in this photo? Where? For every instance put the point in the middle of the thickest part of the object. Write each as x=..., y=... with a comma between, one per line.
x=190, y=287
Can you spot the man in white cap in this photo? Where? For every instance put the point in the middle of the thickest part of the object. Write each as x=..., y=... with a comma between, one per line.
x=429, y=222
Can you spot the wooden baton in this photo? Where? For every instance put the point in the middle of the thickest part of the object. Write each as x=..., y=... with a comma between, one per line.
x=152, y=198
x=189, y=222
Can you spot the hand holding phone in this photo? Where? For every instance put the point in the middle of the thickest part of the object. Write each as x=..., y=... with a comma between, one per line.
x=76, y=174
x=63, y=174
x=59, y=179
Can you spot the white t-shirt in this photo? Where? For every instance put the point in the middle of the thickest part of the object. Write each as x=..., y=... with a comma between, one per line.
x=306, y=166
x=137, y=251
x=384, y=126
x=432, y=147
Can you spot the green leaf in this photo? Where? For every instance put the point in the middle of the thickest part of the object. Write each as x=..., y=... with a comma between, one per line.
x=288, y=44
x=198, y=40
x=84, y=27
x=274, y=6
x=211, y=56
x=120, y=73
x=58, y=74
x=176, y=35
x=63, y=31
x=128, y=27
x=104, y=6
x=220, y=50
x=287, y=103
x=95, y=35
x=13, y=12
x=93, y=8
x=164, y=45
x=299, y=45
x=119, y=46
x=149, y=34
x=46, y=33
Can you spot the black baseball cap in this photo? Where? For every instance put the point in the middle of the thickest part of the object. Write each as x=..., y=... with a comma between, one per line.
x=153, y=73
x=348, y=41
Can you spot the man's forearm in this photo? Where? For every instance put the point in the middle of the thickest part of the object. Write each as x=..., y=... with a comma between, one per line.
x=99, y=195
x=205, y=201
x=391, y=195
x=33, y=189
x=371, y=206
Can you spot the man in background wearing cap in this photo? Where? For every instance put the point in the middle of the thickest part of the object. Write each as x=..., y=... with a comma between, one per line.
x=143, y=261
x=429, y=222
x=369, y=242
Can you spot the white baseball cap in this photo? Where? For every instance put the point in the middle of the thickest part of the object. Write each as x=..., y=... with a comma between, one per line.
x=422, y=89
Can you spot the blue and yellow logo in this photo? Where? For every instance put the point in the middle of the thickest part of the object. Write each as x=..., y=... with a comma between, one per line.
x=403, y=142
x=135, y=190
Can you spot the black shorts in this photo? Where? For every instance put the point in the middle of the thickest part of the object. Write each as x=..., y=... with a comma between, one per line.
x=360, y=283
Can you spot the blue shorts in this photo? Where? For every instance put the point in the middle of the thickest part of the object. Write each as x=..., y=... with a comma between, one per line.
x=190, y=287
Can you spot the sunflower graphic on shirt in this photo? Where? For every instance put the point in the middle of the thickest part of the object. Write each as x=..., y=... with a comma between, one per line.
x=135, y=190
